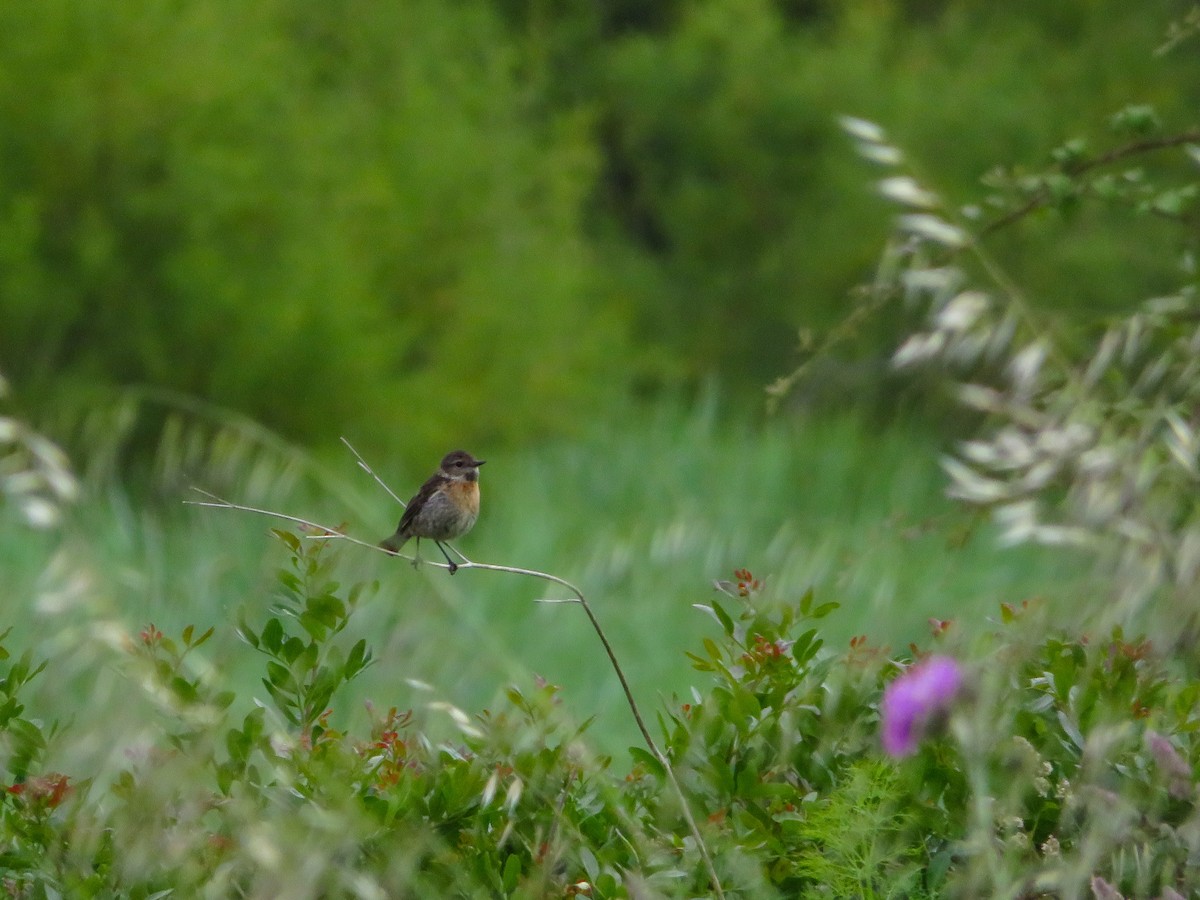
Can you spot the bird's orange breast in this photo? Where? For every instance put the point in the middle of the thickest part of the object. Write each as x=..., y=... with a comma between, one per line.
x=465, y=495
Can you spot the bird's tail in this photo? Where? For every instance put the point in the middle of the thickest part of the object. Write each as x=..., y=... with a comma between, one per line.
x=394, y=543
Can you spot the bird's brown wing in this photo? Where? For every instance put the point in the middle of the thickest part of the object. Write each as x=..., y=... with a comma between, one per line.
x=428, y=489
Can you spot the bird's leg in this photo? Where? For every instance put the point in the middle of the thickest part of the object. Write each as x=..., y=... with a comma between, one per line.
x=453, y=564
x=416, y=560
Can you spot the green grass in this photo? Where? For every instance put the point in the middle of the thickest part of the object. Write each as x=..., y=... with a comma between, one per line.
x=642, y=516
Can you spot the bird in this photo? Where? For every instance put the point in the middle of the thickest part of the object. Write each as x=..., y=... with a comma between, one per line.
x=445, y=507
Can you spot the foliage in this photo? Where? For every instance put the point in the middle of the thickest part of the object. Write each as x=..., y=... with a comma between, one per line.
x=1071, y=750
x=34, y=472
x=1089, y=443
x=1084, y=439
x=244, y=205
x=446, y=224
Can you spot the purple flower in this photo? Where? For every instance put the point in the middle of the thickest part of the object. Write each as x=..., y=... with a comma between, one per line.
x=915, y=700
x=1174, y=766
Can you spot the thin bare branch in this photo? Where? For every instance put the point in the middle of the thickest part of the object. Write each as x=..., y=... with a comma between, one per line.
x=362, y=464
x=320, y=531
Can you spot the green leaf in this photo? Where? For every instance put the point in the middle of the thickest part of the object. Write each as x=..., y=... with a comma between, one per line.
x=359, y=659
x=723, y=618
x=238, y=745
x=313, y=625
x=226, y=773
x=322, y=690
x=760, y=815
x=285, y=703
x=512, y=872
x=253, y=723
x=307, y=658
x=823, y=610
x=280, y=675
x=1174, y=202
x=326, y=608
x=245, y=632
x=10, y=708
x=1070, y=730
x=713, y=650
x=1136, y=119
x=648, y=761
x=806, y=602
x=184, y=689
x=290, y=540
x=288, y=579
x=806, y=647
x=590, y=864
x=1070, y=152
x=272, y=635
x=291, y=649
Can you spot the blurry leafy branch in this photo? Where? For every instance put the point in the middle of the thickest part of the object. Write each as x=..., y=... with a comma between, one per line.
x=1087, y=436
x=1184, y=29
x=179, y=440
x=35, y=474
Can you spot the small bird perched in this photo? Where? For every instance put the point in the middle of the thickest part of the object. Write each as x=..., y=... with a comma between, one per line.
x=445, y=507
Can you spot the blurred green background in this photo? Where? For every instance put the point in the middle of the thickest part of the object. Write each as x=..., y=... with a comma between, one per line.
x=431, y=223
x=576, y=238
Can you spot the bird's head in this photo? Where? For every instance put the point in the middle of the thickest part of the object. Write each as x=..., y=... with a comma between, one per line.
x=461, y=466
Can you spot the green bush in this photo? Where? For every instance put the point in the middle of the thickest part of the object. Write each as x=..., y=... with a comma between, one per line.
x=317, y=217
x=424, y=215
x=1058, y=757
x=727, y=180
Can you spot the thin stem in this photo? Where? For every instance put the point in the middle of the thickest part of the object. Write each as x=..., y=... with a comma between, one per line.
x=362, y=464
x=322, y=532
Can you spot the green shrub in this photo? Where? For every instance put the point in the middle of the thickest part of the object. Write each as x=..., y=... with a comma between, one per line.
x=337, y=219
x=319, y=218
x=1063, y=758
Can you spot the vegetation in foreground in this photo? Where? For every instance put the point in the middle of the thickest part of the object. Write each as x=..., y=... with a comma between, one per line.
x=1056, y=762
x=1030, y=761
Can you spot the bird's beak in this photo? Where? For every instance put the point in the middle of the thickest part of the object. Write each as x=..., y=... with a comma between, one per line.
x=479, y=462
